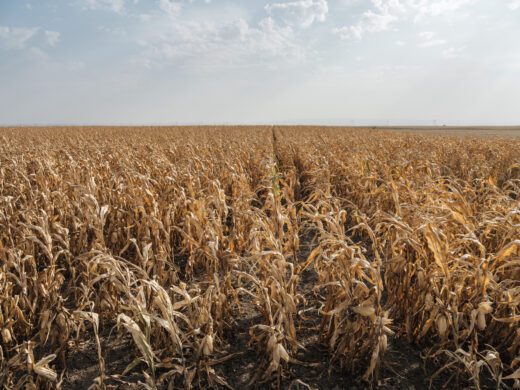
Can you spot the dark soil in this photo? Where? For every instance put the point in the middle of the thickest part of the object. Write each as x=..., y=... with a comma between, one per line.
x=402, y=368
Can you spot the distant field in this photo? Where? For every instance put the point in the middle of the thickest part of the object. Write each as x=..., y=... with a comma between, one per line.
x=463, y=131
x=259, y=257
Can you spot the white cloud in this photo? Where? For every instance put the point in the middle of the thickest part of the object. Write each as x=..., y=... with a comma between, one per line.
x=427, y=35
x=28, y=6
x=15, y=37
x=343, y=32
x=302, y=13
x=453, y=52
x=425, y=8
x=113, y=30
x=399, y=43
x=36, y=54
x=211, y=45
x=173, y=38
x=514, y=4
x=369, y=22
x=52, y=37
x=388, y=6
x=113, y=5
x=170, y=7
x=385, y=13
x=428, y=40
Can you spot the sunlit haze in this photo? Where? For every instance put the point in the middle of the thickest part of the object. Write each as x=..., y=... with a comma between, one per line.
x=349, y=62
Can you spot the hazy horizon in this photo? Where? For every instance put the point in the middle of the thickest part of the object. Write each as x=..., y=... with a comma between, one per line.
x=189, y=62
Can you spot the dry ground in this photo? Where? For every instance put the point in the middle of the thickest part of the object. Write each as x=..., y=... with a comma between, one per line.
x=462, y=131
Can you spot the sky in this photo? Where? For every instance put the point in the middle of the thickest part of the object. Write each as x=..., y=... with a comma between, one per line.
x=336, y=62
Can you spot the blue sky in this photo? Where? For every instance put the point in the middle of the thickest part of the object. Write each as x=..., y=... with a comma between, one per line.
x=228, y=61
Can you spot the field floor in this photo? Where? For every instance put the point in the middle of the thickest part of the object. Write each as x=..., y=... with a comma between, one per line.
x=267, y=257
x=461, y=131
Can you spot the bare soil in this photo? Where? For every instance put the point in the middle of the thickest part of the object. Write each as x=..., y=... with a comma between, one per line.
x=461, y=131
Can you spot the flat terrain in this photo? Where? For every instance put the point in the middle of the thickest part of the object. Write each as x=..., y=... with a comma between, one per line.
x=462, y=131
x=259, y=257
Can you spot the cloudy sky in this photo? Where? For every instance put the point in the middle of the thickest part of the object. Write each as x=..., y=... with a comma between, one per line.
x=234, y=61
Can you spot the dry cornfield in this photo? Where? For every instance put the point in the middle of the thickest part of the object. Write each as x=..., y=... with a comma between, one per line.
x=270, y=257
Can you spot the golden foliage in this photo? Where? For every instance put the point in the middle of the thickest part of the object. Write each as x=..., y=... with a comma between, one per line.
x=169, y=233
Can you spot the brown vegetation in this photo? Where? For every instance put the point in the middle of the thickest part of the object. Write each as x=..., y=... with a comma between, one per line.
x=171, y=240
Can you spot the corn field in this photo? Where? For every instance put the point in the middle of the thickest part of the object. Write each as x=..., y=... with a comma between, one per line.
x=188, y=252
